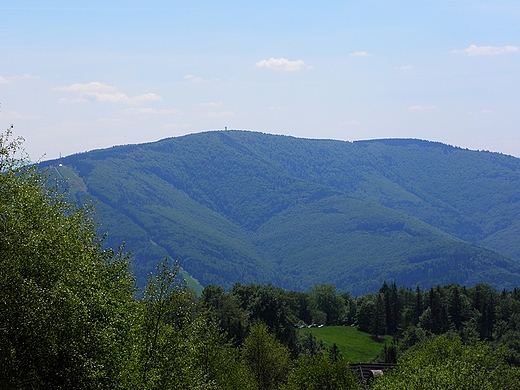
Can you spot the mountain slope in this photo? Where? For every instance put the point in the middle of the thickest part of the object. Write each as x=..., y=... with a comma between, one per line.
x=243, y=206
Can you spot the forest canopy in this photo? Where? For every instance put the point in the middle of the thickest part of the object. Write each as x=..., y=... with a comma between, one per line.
x=71, y=316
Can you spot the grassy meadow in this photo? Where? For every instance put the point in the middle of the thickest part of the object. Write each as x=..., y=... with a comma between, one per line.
x=356, y=346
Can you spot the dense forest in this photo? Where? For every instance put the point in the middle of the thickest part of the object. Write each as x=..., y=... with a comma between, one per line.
x=72, y=318
x=238, y=206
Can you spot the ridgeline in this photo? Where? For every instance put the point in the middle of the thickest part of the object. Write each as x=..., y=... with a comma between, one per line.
x=238, y=206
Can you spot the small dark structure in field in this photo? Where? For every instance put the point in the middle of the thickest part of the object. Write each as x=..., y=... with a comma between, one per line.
x=367, y=372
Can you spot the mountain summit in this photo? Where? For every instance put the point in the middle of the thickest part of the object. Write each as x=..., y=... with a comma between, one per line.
x=238, y=206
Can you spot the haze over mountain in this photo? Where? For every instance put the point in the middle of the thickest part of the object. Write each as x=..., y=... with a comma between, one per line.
x=237, y=206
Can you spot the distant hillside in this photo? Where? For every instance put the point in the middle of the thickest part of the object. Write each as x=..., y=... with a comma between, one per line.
x=252, y=207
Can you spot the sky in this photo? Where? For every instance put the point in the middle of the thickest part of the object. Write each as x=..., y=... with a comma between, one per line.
x=83, y=75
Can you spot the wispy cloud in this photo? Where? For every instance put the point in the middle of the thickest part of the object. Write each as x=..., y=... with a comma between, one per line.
x=86, y=87
x=149, y=111
x=76, y=100
x=422, y=108
x=8, y=80
x=404, y=67
x=211, y=104
x=119, y=97
x=360, y=54
x=103, y=93
x=474, y=50
x=16, y=115
x=219, y=115
x=350, y=123
x=282, y=64
x=193, y=78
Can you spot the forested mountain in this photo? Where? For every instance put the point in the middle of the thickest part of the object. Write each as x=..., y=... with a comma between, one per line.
x=251, y=207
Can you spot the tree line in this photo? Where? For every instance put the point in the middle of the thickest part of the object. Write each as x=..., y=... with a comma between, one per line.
x=72, y=318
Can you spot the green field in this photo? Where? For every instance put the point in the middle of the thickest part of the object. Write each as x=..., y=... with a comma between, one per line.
x=192, y=283
x=356, y=346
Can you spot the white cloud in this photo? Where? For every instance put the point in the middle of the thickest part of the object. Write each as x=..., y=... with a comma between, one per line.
x=103, y=93
x=485, y=111
x=193, y=78
x=119, y=97
x=350, y=123
x=16, y=115
x=77, y=100
x=422, y=108
x=87, y=87
x=211, y=104
x=474, y=50
x=281, y=64
x=218, y=115
x=8, y=80
x=360, y=54
x=149, y=111
x=404, y=67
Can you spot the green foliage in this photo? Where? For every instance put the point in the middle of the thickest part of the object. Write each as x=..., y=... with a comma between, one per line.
x=65, y=303
x=321, y=373
x=270, y=305
x=176, y=349
x=327, y=300
x=354, y=345
x=265, y=357
x=448, y=364
x=308, y=344
x=250, y=207
x=232, y=318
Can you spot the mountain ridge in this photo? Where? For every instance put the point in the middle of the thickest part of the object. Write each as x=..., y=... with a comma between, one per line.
x=220, y=201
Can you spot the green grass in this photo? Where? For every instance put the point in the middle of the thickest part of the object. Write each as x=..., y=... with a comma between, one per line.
x=356, y=346
x=75, y=182
x=192, y=283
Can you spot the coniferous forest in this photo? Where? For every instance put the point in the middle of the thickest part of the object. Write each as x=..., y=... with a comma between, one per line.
x=71, y=316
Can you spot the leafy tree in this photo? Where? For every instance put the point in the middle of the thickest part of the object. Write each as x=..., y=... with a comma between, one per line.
x=65, y=304
x=270, y=305
x=325, y=299
x=321, y=373
x=232, y=318
x=165, y=313
x=266, y=358
x=446, y=363
x=366, y=310
x=308, y=344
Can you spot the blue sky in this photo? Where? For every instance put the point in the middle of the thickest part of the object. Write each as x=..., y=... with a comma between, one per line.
x=81, y=75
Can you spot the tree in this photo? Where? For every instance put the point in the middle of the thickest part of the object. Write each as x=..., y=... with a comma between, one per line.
x=164, y=314
x=392, y=307
x=232, y=318
x=65, y=304
x=378, y=327
x=266, y=358
x=484, y=301
x=308, y=344
x=325, y=299
x=445, y=363
x=269, y=305
x=366, y=311
x=321, y=373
